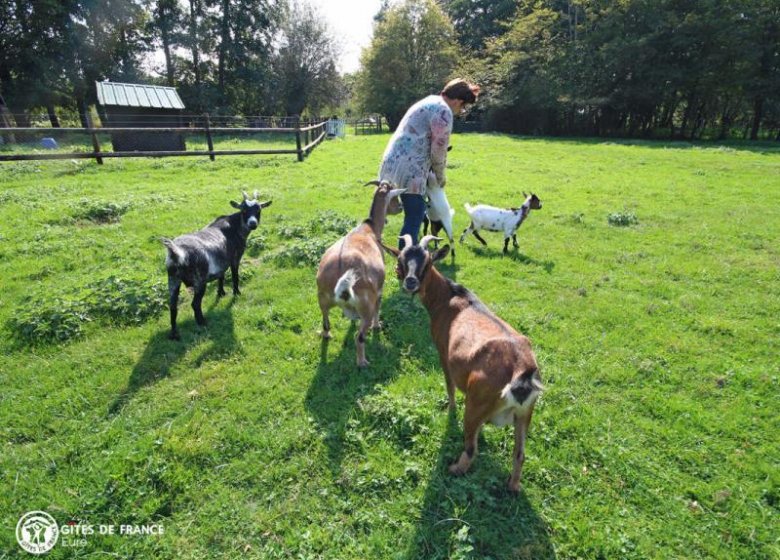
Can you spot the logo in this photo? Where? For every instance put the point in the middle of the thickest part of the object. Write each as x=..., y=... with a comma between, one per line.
x=37, y=532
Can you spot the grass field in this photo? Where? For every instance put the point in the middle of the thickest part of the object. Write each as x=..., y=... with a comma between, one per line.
x=648, y=285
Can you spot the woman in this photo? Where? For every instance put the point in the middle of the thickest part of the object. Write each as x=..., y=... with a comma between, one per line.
x=419, y=146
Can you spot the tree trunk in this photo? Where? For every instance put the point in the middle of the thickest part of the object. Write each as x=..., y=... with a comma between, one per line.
x=194, y=12
x=166, y=42
x=223, y=48
x=758, y=114
x=81, y=106
x=55, y=122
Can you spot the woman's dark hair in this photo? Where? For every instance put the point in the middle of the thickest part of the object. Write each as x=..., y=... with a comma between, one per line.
x=461, y=89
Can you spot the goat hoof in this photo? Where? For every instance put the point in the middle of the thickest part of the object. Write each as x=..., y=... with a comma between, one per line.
x=236, y=292
x=221, y=293
x=362, y=363
x=377, y=326
x=456, y=469
x=326, y=335
x=515, y=487
x=174, y=336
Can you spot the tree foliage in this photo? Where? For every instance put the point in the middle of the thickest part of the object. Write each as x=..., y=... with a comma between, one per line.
x=411, y=55
x=224, y=56
x=680, y=68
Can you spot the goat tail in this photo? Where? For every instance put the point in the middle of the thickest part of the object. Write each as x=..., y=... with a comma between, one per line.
x=175, y=255
x=344, y=287
x=523, y=390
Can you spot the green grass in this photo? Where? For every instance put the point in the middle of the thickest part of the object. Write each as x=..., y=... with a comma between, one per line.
x=657, y=336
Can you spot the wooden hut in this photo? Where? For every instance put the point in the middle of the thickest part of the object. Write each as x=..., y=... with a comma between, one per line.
x=142, y=106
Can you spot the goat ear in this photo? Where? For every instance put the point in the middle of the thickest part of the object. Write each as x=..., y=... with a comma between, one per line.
x=439, y=254
x=395, y=192
x=392, y=250
x=266, y=204
x=235, y=204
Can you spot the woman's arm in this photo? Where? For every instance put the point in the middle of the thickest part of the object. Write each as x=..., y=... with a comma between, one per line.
x=441, y=125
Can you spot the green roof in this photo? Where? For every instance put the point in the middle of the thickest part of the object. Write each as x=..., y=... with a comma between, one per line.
x=138, y=95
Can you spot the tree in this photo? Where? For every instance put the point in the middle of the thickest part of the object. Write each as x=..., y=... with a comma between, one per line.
x=411, y=55
x=166, y=25
x=478, y=21
x=305, y=65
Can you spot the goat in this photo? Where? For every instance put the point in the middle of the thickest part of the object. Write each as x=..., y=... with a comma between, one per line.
x=484, y=357
x=198, y=258
x=351, y=274
x=439, y=212
x=491, y=218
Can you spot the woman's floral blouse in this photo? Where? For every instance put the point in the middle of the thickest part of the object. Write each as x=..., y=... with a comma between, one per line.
x=418, y=146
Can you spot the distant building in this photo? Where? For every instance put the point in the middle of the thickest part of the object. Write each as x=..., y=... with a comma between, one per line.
x=142, y=106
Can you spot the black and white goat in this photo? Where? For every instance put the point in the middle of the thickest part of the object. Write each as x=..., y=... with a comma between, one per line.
x=198, y=258
x=507, y=220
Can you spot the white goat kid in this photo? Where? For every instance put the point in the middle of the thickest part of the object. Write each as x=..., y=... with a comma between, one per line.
x=490, y=218
x=439, y=211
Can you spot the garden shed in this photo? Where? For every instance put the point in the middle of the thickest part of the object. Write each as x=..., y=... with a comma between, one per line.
x=141, y=106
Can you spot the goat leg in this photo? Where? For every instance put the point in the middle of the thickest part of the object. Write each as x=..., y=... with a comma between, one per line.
x=325, y=309
x=174, y=285
x=506, y=245
x=360, y=341
x=466, y=232
x=221, y=286
x=450, y=390
x=473, y=419
x=514, y=241
x=234, y=277
x=376, y=324
x=521, y=430
x=197, y=299
x=476, y=234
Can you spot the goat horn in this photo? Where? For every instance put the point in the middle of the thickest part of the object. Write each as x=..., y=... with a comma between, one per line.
x=525, y=195
x=427, y=239
x=375, y=183
x=256, y=193
x=246, y=196
x=407, y=239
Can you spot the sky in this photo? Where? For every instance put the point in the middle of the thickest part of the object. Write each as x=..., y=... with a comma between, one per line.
x=352, y=23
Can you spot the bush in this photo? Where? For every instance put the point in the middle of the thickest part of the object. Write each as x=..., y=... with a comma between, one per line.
x=622, y=219
x=100, y=212
x=304, y=253
x=113, y=300
x=125, y=301
x=48, y=321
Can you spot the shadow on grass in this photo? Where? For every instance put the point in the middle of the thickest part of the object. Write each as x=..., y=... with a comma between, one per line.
x=475, y=516
x=514, y=255
x=161, y=353
x=338, y=384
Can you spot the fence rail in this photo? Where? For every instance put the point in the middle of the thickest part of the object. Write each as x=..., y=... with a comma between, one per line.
x=306, y=139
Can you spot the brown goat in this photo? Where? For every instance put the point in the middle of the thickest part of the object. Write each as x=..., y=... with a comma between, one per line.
x=483, y=356
x=352, y=271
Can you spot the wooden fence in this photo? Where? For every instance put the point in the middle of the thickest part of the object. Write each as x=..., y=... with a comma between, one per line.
x=307, y=138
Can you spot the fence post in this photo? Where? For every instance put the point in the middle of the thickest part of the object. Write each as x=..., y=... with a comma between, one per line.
x=298, y=138
x=95, y=143
x=208, y=137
